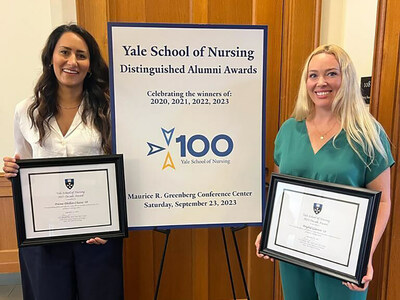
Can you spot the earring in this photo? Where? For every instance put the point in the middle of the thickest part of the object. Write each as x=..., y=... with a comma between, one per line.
x=89, y=74
x=50, y=65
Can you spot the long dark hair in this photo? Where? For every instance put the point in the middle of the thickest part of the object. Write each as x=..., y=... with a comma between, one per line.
x=95, y=89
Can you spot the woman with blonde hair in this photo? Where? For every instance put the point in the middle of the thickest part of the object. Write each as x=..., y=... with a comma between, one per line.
x=332, y=137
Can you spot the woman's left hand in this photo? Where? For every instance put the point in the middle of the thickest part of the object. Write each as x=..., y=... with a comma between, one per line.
x=366, y=279
x=96, y=241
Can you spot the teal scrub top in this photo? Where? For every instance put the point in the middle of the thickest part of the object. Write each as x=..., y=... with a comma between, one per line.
x=335, y=162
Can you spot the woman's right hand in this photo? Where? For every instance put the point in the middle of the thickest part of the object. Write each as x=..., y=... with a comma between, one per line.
x=257, y=244
x=10, y=166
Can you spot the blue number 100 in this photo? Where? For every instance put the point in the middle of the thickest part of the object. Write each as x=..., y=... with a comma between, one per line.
x=206, y=145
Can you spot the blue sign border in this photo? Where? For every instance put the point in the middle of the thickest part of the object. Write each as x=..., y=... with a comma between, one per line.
x=110, y=25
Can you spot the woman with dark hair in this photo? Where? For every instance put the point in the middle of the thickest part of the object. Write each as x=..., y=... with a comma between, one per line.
x=69, y=115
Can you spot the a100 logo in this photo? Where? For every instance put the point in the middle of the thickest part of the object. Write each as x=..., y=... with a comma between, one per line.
x=197, y=145
x=205, y=145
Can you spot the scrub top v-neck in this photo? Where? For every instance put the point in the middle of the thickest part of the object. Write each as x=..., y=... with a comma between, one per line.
x=334, y=162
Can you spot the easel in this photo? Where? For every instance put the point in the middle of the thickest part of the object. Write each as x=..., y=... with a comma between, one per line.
x=166, y=232
x=233, y=230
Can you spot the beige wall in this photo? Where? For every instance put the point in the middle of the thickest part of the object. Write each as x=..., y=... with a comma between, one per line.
x=351, y=25
x=25, y=26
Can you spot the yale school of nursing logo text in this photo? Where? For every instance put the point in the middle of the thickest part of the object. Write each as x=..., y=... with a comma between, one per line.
x=186, y=146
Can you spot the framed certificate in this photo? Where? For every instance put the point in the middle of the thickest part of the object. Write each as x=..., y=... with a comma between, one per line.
x=69, y=199
x=321, y=226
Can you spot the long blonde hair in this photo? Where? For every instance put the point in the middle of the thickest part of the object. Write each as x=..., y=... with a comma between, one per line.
x=348, y=106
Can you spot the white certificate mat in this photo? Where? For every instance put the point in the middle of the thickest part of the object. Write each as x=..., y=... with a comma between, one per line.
x=57, y=207
x=321, y=226
x=189, y=116
x=321, y=235
x=52, y=208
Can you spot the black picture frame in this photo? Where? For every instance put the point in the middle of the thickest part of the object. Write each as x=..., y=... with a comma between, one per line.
x=299, y=237
x=73, y=210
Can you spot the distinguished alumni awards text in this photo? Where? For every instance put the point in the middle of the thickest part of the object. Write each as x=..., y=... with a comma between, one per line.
x=203, y=52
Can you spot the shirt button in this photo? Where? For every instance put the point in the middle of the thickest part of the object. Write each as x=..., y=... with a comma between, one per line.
x=63, y=143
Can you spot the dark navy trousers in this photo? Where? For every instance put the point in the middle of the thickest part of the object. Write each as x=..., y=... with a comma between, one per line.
x=72, y=271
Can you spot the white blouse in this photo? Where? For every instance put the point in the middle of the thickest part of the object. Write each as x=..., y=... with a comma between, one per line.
x=81, y=139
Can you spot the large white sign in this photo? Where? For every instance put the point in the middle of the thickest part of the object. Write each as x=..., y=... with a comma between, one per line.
x=189, y=117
